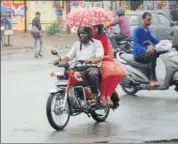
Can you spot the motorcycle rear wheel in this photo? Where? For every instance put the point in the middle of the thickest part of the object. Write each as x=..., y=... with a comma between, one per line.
x=115, y=100
x=57, y=111
x=98, y=118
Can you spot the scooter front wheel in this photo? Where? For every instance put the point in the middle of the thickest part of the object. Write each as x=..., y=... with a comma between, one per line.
x=131, y=91
x=55, y=113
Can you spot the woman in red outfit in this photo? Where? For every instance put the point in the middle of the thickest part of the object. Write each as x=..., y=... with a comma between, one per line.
x=111, y=72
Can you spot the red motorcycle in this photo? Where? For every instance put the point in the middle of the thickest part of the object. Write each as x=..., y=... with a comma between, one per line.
x=72, y=96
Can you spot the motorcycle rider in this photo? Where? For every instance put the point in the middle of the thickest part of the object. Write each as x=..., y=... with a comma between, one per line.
x=124, y=28
x=89, y=50
x=143, y=53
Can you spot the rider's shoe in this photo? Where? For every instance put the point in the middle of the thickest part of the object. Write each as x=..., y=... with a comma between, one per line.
x=40, y=55
x=154, y=84
x=36, y=55
x=102, y=101
x=108, y=100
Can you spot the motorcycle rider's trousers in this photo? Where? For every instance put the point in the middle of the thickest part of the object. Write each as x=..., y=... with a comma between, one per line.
x=116, y=37
x=93, y=75
x=151, y=60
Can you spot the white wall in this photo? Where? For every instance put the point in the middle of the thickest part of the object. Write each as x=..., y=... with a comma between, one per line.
x=46, y=9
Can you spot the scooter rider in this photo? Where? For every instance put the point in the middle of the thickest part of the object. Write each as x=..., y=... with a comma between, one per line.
x=124, y=28
x=143, y=53
x=89, y=50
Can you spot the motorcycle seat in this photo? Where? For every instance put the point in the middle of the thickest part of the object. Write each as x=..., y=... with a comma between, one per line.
x=129, y=58
x=128, y=39
x=124, y=41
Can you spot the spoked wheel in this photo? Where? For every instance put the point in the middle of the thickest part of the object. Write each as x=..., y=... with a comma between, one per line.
x=57, y=117
x=101, y=114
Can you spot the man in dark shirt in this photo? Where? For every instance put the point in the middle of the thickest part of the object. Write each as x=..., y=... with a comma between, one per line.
x=143, y=53
x=37, y=35
x=124, y=28
x=174, y=13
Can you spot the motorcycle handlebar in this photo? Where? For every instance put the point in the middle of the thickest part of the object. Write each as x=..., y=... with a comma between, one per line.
x=162, y=52
x=82, y=63
x=77, y=64
x=56, y=63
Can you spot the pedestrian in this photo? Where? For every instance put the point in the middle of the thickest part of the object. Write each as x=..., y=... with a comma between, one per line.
x=174, y=13
x=37, y=35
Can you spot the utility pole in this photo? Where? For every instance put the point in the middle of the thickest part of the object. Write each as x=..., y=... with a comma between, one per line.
x=68, y=11
x=102, y=4
x=25, y=15
x=92, y=4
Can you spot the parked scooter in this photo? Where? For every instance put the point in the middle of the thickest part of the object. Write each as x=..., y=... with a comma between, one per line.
x=138, y=73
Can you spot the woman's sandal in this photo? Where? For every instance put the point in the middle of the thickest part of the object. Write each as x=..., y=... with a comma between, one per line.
x=108, y=100
x=102, y=101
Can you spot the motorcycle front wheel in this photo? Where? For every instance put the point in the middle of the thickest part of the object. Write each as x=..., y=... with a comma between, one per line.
x=55, y=113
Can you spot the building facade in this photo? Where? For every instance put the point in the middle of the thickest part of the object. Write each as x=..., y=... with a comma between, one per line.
x=24, y=11
x=47, y=10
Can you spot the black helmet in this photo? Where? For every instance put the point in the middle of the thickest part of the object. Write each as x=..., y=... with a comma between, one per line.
x=120, y=12
x=87, y=30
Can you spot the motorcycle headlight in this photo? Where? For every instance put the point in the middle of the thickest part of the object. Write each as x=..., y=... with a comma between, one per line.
x=60, y=72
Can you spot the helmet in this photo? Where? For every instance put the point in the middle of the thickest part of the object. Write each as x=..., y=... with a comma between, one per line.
x=120, y=12
x=87, y=30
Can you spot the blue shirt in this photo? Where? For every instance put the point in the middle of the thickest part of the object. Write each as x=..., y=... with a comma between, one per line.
x=141, y=35
x=7, y=21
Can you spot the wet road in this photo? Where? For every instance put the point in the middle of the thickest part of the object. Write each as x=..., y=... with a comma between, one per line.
x=24, y=91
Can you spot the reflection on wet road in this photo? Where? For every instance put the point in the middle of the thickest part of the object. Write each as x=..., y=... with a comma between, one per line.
x=25, y=86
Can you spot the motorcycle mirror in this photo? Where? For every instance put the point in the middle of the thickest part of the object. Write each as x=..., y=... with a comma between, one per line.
x=54, y=52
